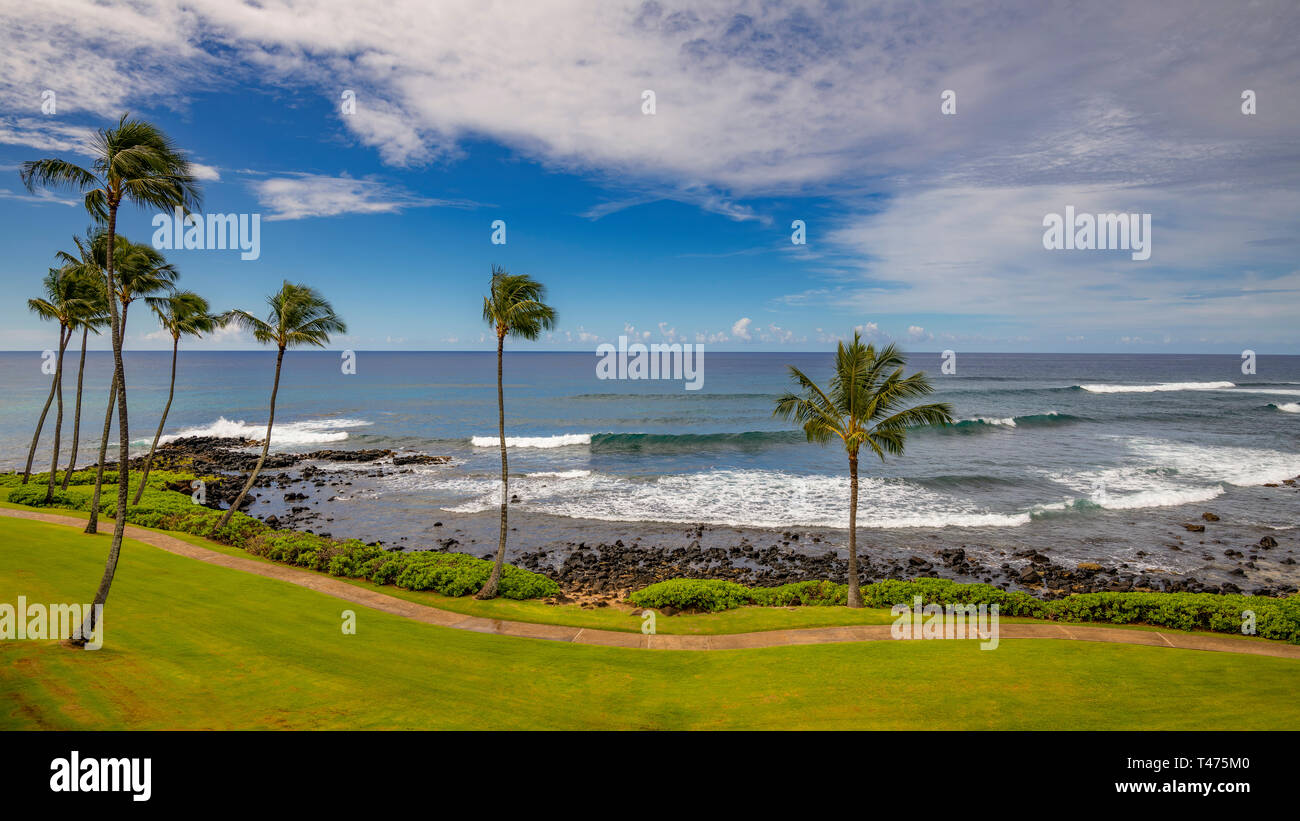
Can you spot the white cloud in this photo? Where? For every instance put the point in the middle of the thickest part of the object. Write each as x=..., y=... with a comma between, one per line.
x=206, y=173
x=750, y=97
x=312, y=195
x=776, y=334
x=971, y=250
x=45, y=134
x=740, y=330
x=38, y=196
x=581, y=335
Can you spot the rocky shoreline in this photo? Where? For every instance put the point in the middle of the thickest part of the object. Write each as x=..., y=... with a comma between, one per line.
x=609, y=570
x=231, y=462
x=619, y=568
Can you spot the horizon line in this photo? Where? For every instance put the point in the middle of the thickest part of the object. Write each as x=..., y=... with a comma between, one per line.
x=592, y=352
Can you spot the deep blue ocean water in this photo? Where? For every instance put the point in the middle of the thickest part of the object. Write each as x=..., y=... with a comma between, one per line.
x=1084, y=440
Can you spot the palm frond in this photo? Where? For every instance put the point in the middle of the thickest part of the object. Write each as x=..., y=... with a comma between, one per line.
x=298, y=316
x=868, y=402
x=56, y=174
x=514, y=305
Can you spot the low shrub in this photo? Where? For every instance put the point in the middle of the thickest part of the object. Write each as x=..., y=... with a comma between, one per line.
x=945, y=591
x=34, y=496
x=1275, y=618
x=805, y=594
x=709, y=595
x=451, y=574
x=1211, y=612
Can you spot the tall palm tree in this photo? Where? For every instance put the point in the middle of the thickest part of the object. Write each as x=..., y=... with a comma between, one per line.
x=141, y=270
x=134, y=162
x=865, y=405
x=513, y=307
x=61, y=303
x=183, y=313
x=90, y=320
x=299, y=316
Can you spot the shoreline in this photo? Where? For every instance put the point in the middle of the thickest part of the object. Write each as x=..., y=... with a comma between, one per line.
x=607, y=560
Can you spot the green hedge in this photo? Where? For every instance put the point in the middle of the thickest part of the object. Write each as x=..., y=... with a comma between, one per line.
x=1275, y=618
x=452, y=574
x=709, y=595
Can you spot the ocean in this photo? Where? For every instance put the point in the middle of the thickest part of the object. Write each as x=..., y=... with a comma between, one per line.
x=1098, y=457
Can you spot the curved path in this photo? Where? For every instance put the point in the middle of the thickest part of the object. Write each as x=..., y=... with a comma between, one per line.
x=337, y=588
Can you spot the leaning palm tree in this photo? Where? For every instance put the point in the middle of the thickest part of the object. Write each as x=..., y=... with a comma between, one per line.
x=134, y=162
x=61, y=304
x=865, y=405
x=513, y=307
x=141, y=270
x=183, y=313
x=299, y=316
x=90, y=320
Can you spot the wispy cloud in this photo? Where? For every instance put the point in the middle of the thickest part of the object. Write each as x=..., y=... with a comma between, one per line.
x=46, y=135
x=39, y=196
x=298, y=196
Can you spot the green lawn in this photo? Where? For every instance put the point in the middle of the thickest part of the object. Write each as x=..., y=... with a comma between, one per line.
x=189, y=645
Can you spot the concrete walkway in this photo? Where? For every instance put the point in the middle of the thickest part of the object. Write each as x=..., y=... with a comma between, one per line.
x=337, y=588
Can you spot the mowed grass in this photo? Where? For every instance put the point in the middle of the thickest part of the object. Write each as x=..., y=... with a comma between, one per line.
x=742, y=620
x=189, y=645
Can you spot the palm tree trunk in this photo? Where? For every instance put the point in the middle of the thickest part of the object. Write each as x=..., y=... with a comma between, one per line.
x=93, y=524
x=31, y=452
x=171, y=391
x=855, y=595
x=76, y=415
x=124, y=440
x=490, y=587
x=266, y=446
x=58, y=418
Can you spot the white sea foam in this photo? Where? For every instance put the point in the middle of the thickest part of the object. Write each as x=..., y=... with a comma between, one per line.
x=750, y=498
x=1168, y=474
x=556, y=474
x=284, y=434
x=1270, y=391
x=1244, y=467
x=1008, y=421
x=1289, y=407
x=1163, y=386
x=559, y=441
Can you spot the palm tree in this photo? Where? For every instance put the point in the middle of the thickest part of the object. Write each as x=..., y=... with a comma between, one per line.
x=141, y=270
x=94, y=317
x=513, y=307
x=183, y=313
x=61, y=303
x=133, y=162
x=298, y=316
x=864, y=406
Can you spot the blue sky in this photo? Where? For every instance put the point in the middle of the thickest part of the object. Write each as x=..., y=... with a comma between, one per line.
x=922, y=226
